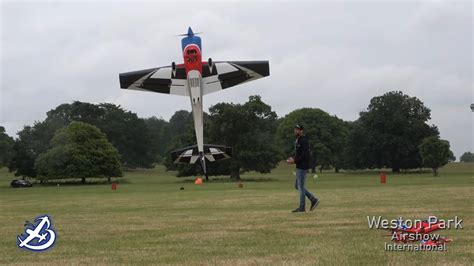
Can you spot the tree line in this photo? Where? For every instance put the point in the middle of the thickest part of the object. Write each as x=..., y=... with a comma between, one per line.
x=81, y=140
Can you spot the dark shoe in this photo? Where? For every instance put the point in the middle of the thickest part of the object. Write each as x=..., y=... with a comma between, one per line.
x=298, y=210
x=314, y=204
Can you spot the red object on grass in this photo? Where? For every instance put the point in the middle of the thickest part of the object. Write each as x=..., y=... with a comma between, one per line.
x=383, y=178
x=114, y=186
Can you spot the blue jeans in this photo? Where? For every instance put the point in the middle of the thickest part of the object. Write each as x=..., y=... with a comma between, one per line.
x=299, y=185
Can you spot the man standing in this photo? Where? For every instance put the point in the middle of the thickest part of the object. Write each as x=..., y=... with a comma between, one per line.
x=301, y=159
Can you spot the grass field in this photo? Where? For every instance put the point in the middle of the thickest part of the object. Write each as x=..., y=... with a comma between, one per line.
x=148, y=220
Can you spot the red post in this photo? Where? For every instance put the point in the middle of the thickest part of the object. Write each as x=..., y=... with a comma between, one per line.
x=383, y=178
x=114, y=186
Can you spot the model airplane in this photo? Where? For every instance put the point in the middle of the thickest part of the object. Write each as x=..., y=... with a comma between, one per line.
x=418, y=232
x=195, y=79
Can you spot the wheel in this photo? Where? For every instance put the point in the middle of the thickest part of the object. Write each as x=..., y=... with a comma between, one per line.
x=211, y=66
x=173, y=69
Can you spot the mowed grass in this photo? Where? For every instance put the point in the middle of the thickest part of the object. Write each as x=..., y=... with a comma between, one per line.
x=149, y=220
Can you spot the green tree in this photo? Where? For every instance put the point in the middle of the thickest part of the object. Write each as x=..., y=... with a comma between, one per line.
x=452, y=158
x=326, y=135
x=128, y=133
x=6, y=147
x=181, y=121
x=435, y=153
x=389, y=132
x=79, y=150
x=467, y=157
x=31, y=142
x=358, y=153
x=159, y=135
x=249, y=129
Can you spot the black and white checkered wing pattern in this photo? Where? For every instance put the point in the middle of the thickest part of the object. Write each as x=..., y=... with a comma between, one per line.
x=191, y=155
x=222, y=75
x=161, y=80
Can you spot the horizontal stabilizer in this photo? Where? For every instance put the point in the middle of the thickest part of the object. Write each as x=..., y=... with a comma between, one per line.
x=191, y=154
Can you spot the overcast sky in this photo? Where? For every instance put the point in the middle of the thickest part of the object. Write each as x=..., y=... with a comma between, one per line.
x=333, y=56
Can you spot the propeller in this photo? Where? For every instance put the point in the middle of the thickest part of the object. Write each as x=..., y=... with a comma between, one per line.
x=185, y=34
x=190, y=33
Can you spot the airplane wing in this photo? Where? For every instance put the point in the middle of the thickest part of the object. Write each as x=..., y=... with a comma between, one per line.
x=223, y=75
x=161, y=80
x=212, y=153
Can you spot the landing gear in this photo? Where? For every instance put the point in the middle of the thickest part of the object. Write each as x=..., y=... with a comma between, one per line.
x=173, y=68
x=211, y=64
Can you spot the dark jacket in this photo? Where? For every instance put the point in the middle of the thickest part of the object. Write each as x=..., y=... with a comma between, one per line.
x=302, y=153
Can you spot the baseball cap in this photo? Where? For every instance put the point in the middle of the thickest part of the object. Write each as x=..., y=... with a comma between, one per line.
x=299, y=126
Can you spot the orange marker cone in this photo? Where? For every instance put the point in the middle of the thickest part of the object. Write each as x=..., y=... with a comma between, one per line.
x=198, y=181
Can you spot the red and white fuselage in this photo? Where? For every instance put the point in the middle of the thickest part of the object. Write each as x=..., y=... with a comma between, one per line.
x=193, y=66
